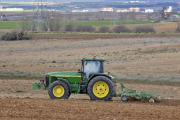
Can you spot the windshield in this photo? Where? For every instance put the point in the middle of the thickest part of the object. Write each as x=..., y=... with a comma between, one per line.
x=91, y=67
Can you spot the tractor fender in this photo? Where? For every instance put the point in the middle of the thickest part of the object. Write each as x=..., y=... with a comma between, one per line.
x=65, y=81
x=94, y=75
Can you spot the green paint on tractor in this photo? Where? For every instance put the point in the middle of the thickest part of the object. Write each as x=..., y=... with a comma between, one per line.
x=72, y=77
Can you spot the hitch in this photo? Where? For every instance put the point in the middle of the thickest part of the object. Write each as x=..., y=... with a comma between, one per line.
x=38, y=85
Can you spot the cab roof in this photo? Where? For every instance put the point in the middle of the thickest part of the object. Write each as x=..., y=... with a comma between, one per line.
x=92, y=59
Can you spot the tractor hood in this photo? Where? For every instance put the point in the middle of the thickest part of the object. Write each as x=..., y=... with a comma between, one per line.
x=64, y=74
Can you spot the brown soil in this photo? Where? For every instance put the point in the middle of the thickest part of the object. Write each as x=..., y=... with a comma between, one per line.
x=87, y=36
x=36, y=104
x=155, y=59
x=88, y=110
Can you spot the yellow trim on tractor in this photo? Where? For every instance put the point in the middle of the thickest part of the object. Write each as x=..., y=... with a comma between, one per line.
x=63, y=76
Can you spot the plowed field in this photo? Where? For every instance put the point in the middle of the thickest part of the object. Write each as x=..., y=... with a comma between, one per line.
x=19, y=101
x=87, y=110
x=130, y=60
x=150, y=59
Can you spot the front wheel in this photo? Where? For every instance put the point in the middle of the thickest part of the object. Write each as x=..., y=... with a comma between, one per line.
x=58, y=90
x=101, y=88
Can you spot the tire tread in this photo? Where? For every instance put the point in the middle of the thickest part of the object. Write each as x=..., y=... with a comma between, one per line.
x=66, y=88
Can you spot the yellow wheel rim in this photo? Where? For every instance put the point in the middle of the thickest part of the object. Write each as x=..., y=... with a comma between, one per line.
x=100, y=89
x=58, y=91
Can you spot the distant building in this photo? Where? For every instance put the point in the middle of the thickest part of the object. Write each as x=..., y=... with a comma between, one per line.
x=80, y=10
x=123, y=10
x=134, y=9
x=107, y=9
x=85, y=10
x=14, y=9
x=149, y=10
x=129, y=10
x=11, y=9
x=168, y=10
x=75, y=10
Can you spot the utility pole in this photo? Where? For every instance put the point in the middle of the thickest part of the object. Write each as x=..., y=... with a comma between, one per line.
x=40, y=16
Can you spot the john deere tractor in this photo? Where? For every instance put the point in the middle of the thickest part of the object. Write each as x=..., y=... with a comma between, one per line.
x=90, y=80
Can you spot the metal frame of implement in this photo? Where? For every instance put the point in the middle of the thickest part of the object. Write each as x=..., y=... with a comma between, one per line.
x=126, y=93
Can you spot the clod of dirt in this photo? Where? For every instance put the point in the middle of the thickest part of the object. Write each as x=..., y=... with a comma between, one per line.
x=145, y=100
x=133, y=99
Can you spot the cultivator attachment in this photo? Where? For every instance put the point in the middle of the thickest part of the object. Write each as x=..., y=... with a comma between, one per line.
x=128, y=93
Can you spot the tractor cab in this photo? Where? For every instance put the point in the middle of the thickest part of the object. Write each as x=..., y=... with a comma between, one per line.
x=91, y=66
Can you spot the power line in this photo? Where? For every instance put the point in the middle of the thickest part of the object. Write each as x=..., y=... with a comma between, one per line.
x=40, y=20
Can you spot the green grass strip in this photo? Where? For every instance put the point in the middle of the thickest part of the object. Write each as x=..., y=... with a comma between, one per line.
x=21, y=74
x=17, y=24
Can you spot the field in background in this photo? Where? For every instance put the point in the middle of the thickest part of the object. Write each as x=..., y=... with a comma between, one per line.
x=147, y=59
x=160, y=27
x=10, y=24
x=14, y=24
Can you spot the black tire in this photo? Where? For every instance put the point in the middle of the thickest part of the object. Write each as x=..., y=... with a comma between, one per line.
x=124, y=98
x=67, y=83
x=104, y=79
x=65, y=95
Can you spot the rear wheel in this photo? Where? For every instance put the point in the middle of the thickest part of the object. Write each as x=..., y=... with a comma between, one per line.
x=58, y=90
x=101, y=88
x=124, y=98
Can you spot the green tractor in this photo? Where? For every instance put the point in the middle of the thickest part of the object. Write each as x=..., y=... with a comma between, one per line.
x=90, y=80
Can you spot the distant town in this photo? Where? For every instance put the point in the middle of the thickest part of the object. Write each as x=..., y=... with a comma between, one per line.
x=112, y=6
x=88, y=11
x=110, y=9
